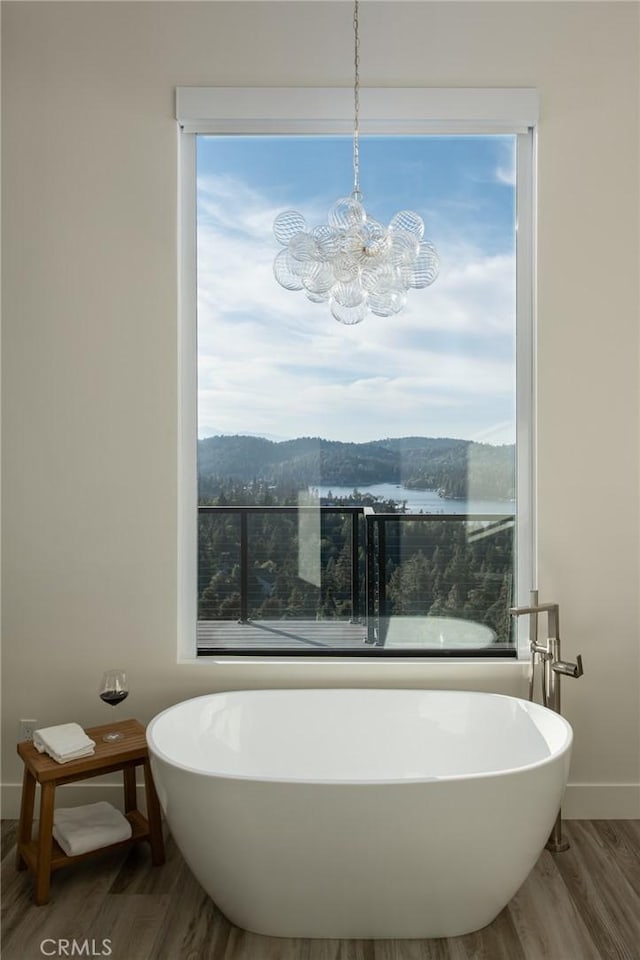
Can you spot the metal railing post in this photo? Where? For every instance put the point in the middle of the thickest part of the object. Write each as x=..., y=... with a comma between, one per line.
x=244, y=567
x=382, y=567
x=370, y=568
x=355, y=570
x=383, y=620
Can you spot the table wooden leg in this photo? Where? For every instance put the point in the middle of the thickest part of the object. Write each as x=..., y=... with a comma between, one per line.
x=25, y=824
x=154, y=817
x=45, y=841
x=130, y=799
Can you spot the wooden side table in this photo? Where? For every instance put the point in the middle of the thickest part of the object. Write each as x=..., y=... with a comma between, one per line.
x=44, y=855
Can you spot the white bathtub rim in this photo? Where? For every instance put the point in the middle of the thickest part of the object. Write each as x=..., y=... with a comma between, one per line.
x=552, y=758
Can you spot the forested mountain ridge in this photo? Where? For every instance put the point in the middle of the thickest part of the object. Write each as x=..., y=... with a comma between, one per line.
x=442, y=464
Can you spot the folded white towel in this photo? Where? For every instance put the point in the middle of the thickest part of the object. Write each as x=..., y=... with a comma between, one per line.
x=86, y=752
x=95, y=825
x=65, y=742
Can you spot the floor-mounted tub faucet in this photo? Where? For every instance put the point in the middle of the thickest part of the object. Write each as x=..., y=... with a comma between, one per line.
x=552, y=669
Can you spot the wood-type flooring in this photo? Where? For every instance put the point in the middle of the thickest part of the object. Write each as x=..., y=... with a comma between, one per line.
x=580, y=905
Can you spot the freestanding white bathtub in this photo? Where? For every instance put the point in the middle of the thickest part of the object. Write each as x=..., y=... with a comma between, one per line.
x=360, y=813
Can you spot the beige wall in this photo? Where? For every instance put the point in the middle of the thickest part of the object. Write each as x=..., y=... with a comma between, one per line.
x=90, y=388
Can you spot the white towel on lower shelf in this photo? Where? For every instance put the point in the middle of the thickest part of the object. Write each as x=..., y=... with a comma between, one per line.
x=65, y=742
x=95, y=825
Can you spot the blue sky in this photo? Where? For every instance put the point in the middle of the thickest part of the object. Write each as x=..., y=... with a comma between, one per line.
x=274, y=364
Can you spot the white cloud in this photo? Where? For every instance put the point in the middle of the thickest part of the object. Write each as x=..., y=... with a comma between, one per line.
x=506, y=171
x=272, y=362
x=506, y=175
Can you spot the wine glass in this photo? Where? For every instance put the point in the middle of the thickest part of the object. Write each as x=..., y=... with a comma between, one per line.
x=113, y=690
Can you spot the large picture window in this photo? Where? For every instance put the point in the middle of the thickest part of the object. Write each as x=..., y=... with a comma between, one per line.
x=361, y=490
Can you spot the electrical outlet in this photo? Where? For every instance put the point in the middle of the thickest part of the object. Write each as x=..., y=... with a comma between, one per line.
x=26, y=728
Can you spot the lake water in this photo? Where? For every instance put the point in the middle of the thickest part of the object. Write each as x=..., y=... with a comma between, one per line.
x=422, y=501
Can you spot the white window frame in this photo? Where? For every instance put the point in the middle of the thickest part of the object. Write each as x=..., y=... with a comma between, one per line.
x=329, y=110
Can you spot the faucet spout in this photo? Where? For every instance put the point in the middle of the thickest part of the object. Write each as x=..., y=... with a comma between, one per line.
x=539, y=608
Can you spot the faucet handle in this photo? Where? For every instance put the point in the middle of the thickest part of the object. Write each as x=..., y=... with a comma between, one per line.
x=569, y=669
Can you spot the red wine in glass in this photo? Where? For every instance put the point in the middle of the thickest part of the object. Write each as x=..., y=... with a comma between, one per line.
x=114, y=697
x=113, y=690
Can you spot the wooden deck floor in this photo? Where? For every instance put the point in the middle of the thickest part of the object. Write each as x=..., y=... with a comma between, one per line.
x=293, y=634
x=580, y=905
x=397, y=632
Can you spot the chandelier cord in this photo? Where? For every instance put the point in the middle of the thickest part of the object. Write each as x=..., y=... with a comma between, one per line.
x=356, y=104
x=354, y=263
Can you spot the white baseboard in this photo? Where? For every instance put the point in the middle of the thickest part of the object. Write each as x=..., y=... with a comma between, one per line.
x=69, y=795
x=583, y=801
x=602, y=801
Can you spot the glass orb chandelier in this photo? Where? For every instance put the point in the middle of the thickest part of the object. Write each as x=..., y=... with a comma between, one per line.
x=354, y=263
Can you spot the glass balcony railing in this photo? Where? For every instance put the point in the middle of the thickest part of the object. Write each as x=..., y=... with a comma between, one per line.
x=348, y=579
